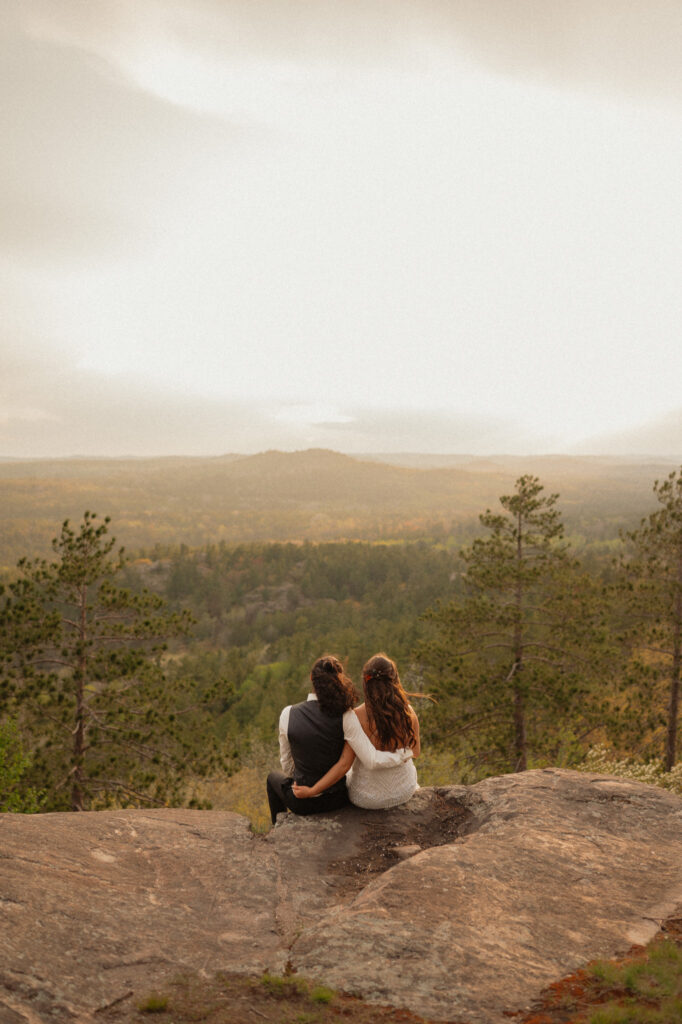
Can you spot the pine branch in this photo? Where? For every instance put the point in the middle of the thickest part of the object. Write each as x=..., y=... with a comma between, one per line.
x=107, y=785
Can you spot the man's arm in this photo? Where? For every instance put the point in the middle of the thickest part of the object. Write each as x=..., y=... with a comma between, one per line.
x=365, y=749
x=285, y=756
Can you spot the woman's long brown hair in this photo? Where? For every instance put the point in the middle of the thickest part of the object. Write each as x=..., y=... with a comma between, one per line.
x=388, y=709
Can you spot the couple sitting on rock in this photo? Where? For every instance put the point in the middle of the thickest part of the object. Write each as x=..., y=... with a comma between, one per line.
x=323, y=738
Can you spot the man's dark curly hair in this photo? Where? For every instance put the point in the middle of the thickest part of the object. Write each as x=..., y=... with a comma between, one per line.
x=333, y=688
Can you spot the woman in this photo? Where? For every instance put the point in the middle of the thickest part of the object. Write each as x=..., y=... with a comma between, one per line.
x=389, y=722
x=312, y=735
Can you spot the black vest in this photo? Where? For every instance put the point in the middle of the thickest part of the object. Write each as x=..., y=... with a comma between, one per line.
x=316, y=742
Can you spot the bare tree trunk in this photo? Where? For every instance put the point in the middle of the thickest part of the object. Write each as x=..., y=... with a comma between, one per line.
x=77, y=792
x=520, y=743
x=674, y=702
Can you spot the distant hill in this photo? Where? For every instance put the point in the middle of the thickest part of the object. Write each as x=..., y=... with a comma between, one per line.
x=314, y=494
x=572, y=464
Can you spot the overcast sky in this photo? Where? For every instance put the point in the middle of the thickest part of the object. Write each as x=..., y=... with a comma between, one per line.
x=369, y=225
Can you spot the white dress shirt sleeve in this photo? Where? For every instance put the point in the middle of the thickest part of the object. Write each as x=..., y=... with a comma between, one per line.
x=285, y=756
x=365, y=749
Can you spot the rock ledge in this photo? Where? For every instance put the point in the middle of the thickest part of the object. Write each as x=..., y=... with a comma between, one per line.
x=519, y=880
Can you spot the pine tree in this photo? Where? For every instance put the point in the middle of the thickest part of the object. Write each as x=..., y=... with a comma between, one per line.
x=82, y=672
x=510, y=660
x=652, y=580
x=14, y=795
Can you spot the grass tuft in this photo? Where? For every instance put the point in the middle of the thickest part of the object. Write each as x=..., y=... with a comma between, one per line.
x=322, y=994
x=283, y=987
x=655, y=978
x=154, y=1003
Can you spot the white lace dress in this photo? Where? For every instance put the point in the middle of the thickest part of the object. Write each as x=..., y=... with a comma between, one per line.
x=381, y=787
x=372, y=781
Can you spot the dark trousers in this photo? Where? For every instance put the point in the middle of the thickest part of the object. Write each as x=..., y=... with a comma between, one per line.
x=281, y=797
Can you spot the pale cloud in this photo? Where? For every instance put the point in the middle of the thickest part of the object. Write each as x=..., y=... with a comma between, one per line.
x=317, y=414
x=208, y=53
x=630, y=48
x=662, y=436
x=94, y=162
x=66, y=410
x=408, y=430
x=447, y=225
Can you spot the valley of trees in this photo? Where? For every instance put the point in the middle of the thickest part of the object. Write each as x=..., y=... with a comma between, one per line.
x=309, y=495
x=126, y=681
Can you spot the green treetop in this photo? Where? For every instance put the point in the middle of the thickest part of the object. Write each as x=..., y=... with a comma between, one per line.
x=653, y=585
x=82, y=673
x=509, y=660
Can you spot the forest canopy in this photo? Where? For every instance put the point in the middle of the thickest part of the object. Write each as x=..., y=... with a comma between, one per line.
x=311, y=495
x=572, y=666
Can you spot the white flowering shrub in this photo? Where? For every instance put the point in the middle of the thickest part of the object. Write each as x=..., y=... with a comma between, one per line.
x=600, y=759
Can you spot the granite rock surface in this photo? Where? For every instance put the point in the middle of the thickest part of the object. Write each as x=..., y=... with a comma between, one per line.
x=514, y=883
